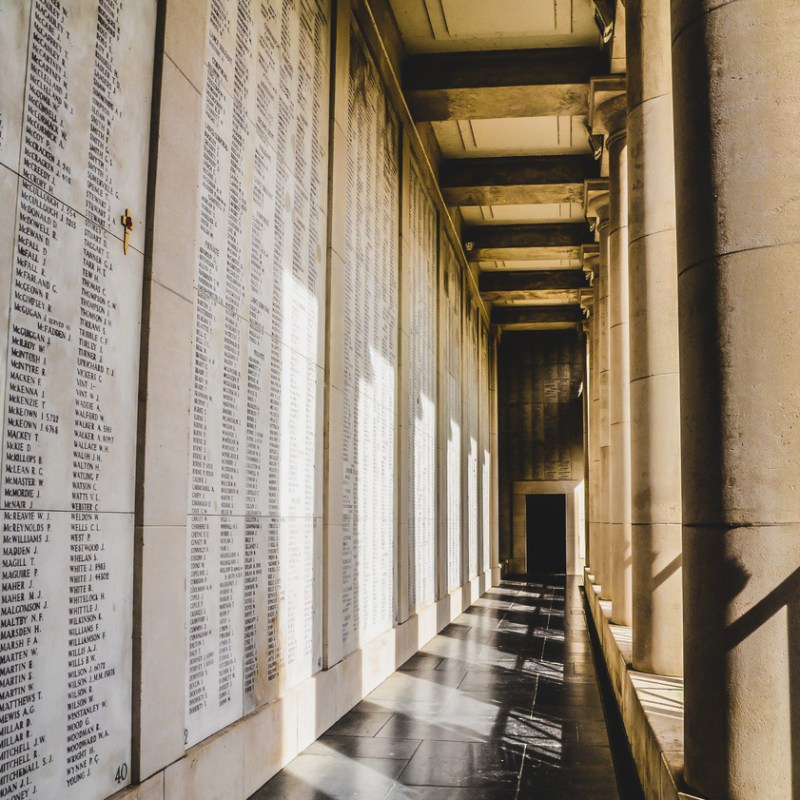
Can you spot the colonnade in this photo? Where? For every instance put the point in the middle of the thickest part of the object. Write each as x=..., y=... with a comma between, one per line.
x=694, y=386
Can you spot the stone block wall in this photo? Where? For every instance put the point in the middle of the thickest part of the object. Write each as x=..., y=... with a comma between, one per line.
x=540, y=418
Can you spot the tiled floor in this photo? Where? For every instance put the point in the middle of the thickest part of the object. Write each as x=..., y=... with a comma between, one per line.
x=502, y=704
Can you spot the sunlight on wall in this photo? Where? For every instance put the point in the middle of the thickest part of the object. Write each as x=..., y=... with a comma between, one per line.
x=375, y=506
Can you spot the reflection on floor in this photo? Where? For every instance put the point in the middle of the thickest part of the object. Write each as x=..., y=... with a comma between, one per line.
x=502, y=704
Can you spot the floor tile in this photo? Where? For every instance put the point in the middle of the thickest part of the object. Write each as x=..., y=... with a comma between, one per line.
x=454, y=729
x=463, y=764
x=421, y=660
x=323, y=777
x=401, y=792
x=364, y=747
x=421, y=709
x=360, y=723
x=503, y=704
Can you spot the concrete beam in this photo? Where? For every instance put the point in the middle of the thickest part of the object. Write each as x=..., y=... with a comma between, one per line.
x=525, y=242
x=501, y=83
x=515, y=180
x=531, y=281
x=536, y=317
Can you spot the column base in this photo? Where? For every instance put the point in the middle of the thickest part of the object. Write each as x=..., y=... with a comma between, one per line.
x=651, y=706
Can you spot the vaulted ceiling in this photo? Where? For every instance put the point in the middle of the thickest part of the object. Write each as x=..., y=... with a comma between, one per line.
x=502, y=87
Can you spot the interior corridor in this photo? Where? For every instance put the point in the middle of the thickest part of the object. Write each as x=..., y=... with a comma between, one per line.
x=503, y=703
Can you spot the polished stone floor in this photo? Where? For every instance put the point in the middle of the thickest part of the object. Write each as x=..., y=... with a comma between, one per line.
x=504, y=703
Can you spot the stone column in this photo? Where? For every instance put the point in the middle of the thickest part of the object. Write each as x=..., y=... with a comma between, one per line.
x=588, y=326
x=589, y=260
x=596, y=208
x=494, y=480
x=737, y=116
x=607, y=114
x=655, y=384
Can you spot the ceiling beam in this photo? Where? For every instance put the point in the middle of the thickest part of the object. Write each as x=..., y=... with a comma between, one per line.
x=501, y=83
x=515, y=180
x=536, y=317
x=525, y=242
x=532, y=280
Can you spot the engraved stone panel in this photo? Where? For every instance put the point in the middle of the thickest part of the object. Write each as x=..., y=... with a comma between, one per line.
x=421, y=416
x=454, y=499
x=254, y=508
x=472, y=520
x=74, y=123
x=370, y=354
x=485, y=448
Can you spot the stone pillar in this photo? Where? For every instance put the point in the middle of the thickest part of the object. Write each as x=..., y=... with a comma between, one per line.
x=588, y=327
x=596, y=208
x=737, y=116
x=494, y=479
x=655, y=384
x=607, y=114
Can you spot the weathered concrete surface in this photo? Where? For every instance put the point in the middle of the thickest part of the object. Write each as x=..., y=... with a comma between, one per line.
x=737, y=109
x=655, y=381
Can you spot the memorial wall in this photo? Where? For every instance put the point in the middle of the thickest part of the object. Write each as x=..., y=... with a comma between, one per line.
x=255, y=493
x=470, y=394
x=371, y=262
x=453, y=305
x=118, y=666
x=74, y=121
x=421, y=227
x=485, y=447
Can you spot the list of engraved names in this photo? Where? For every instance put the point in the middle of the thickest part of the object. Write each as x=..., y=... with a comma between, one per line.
x=69, y=422
x=256, y=443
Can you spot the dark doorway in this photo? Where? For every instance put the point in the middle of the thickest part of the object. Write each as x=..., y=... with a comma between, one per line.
x=546, y=533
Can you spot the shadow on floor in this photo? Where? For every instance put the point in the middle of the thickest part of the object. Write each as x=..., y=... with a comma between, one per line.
x=503, y=703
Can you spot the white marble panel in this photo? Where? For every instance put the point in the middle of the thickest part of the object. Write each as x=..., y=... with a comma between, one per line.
x=371, y=296
x=216, y=623
x=85, y=140
x=471, y=437
x=454, y=430
x=73, y=358
x=485, y=449
x=70, y=368
x=66, y=651
x=420, y=421
x=259, y=355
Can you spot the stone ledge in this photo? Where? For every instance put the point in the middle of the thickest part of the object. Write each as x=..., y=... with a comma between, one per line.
x=651, y=707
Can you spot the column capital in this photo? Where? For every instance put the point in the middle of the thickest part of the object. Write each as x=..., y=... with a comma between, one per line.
x=608, y=106
x=596, y=199
x=590, y=261
x=586, y=301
